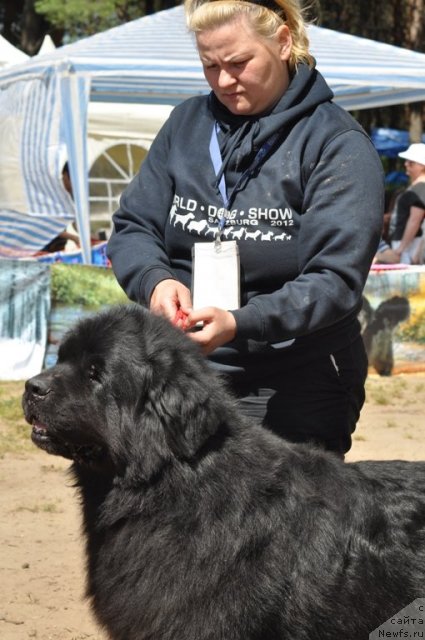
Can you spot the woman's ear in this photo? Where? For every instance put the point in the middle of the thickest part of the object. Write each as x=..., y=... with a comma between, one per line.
x=284, y=39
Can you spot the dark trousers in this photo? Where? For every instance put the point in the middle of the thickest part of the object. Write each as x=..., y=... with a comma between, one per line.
x=311, y=398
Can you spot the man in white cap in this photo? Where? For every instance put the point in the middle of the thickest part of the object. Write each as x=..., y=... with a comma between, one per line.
x=408, y=215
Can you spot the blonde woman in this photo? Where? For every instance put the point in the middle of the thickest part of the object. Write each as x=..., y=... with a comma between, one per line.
x=266, y=170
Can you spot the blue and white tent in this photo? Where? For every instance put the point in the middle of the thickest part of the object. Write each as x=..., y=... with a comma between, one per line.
x=44, y=104
x=389, y=142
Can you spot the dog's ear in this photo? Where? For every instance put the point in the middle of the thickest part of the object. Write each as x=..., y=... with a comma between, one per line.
x=172, y=420
x=149, y=448
x=189, y=415
x=176, y=400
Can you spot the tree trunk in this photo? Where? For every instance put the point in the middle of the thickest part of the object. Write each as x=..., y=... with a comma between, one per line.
x=33, y=29
x=414, y=40
x=416, y=116
x=11, y=11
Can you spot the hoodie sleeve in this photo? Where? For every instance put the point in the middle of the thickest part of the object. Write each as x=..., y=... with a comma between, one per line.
x=136, y=246
x=340, y=228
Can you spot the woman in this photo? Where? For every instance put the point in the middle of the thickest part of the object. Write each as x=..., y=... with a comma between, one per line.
x=269, y=168
x=409, y=209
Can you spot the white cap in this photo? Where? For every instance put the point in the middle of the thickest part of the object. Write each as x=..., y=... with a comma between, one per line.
x=415, y=153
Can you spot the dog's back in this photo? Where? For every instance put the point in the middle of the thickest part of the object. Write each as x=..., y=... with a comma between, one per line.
x=260, y=540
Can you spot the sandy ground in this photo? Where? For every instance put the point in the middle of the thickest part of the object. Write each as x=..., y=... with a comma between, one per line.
x=42, y=566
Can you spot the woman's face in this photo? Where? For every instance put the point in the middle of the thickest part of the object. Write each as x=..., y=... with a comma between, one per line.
x=414, y=169
x=247, y=73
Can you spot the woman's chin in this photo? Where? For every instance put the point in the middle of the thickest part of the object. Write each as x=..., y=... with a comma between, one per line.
x=238, y=106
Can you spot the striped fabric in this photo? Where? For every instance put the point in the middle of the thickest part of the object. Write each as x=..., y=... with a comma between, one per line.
x=156, y=57
x=23, y=234
x=34, y=205
x=150, y=60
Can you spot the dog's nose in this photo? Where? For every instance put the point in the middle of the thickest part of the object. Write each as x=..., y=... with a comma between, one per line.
x=38, y=386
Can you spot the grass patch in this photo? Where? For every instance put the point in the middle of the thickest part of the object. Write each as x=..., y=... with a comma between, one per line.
x=10, y=400
x=378, y=395
x=359, y=438
x=14, y=431
x=390, y=392
x=48, y=507
x=50, y=468
x=391, y=424
x=398, y=388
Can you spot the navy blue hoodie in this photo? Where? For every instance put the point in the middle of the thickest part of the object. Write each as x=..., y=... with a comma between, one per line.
x=307, y=223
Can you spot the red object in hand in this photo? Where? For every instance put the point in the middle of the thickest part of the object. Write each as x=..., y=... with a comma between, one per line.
x=180, y=315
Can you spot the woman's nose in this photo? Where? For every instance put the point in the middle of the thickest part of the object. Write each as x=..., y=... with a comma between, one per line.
x=225, y=79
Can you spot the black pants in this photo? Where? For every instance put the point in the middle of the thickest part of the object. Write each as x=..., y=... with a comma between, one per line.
x=311, y=398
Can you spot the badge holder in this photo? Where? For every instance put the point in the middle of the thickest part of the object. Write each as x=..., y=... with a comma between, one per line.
x=215, y=280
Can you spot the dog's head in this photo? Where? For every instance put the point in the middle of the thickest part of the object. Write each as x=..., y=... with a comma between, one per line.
x=129, y=391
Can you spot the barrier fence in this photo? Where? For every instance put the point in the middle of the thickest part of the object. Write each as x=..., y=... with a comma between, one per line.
x=40, y=300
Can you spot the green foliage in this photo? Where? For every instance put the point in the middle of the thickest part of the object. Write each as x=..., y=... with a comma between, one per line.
x=81, y=18
x=414, y=330
x=89, y=286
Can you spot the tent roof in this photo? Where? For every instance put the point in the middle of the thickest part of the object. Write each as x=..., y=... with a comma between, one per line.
x=154, y=59
x=47, y=46
x=390, y=142
x=9, y=54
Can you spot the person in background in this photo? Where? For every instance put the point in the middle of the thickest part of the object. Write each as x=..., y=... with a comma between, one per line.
x=407, y=217
x=68, y=239
x=266, y=162
x=385, y=255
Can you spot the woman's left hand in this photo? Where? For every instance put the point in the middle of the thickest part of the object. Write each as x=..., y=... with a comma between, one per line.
x=218, y=328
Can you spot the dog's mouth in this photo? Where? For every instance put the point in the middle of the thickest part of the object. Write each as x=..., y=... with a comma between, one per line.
x=43, y=438
x=87, y=453
x=39, y=434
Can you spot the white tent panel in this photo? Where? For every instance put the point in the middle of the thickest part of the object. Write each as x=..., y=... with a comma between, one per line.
x=47, y=46
x=154, y=60
x=126, y=120
x=119, y=136
x=12, y=185
x=34, y=207
x=9, y=54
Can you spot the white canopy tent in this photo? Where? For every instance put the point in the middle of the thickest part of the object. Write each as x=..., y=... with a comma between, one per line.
x=119, y=136
x=9, y=54
x=44, y=107
x=47, y=46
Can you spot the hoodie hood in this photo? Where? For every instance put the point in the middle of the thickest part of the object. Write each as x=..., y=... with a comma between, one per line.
x=240, y=136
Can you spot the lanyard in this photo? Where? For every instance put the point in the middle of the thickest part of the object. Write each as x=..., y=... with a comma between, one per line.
x=217, y=162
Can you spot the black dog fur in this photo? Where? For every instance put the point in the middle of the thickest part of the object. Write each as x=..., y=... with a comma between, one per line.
x=199, y=524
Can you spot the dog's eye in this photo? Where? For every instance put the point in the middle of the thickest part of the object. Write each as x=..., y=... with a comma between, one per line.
x=94, y=373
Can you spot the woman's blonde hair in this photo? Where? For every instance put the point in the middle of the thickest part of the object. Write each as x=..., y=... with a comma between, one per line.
x=264, y=18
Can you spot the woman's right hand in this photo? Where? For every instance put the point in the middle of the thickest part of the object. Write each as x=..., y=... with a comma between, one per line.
x=171, y=299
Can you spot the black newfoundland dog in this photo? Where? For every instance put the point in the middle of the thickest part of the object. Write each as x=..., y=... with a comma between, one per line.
x=201, y=525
